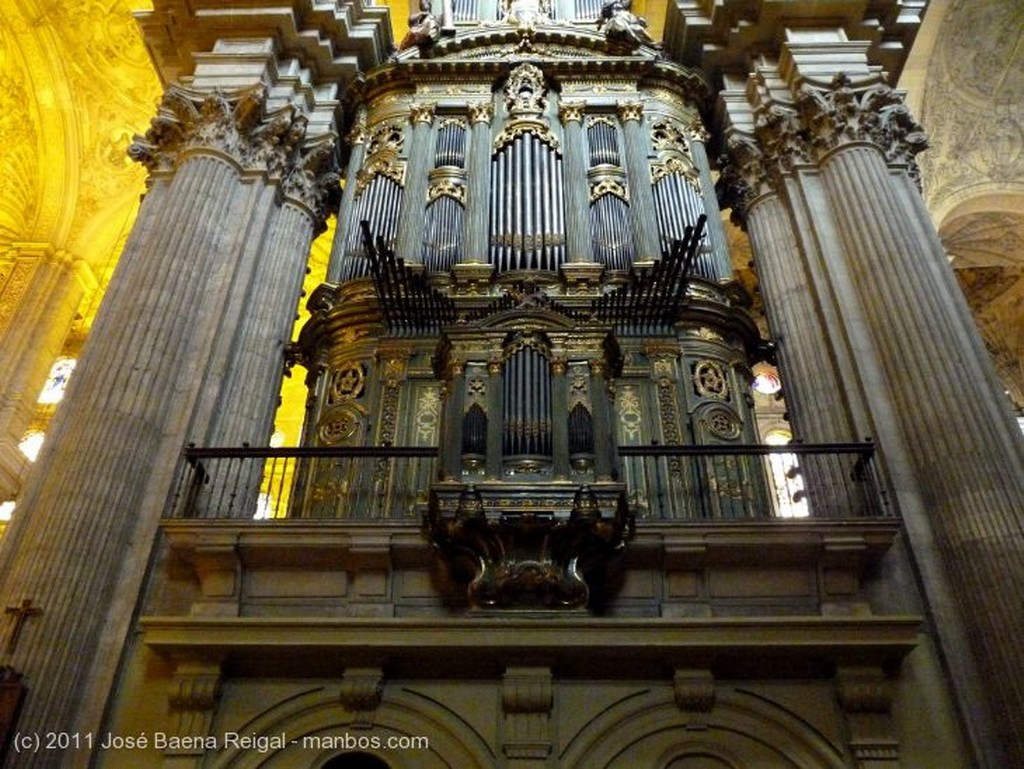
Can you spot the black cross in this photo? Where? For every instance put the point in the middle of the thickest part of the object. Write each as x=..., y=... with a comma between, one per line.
x=21, y=614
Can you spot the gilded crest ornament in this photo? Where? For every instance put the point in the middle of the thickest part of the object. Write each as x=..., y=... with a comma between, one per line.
x=709, y=380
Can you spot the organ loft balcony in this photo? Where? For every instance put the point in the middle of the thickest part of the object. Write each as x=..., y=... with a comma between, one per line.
x=533, y=448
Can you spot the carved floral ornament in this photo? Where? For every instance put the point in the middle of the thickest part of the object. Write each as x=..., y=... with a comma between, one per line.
x=237, y=126
x=818, y=122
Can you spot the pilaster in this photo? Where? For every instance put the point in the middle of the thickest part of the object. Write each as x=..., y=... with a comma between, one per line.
x=638, y=173
x=192, y=701
x=357, y=143
x=478, y=171
x=410, y=220
x=577, y=197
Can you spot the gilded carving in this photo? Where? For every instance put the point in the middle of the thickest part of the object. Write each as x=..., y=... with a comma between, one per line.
x=571, y=111
x=710, y=381
x=422, y=113
x=339, y=426
x=722, y=423
x=608, y=186
x=348, y=382
x=630, y=110
x=234, y=125
x=630, y=415
x=481, y=113
x=428, y=410
x=447, y=187
x=536, y=127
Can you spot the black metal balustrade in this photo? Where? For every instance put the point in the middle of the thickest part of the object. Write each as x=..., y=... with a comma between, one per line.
x=371, y=482
x=663, y=482
x=753, y=481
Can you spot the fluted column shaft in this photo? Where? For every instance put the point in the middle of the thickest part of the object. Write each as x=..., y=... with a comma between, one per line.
x=478, y=184
x=814, y=395
x=972, y=478
x=49, y=287
x=114, y=444
x=605, y=445
x=409, y=243
x=495, y=418
x=248, y=392
x=638, y=173
x=577, y=196
x=560, y=418
x=80, y=542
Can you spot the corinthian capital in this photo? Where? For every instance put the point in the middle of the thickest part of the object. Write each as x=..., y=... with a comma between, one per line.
x=233, y=125
x=878, y=115
x=312, y=178
x=743, y=174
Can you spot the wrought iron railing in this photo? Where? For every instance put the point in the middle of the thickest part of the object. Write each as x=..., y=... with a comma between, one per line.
x=335, y=482
x=663, y=482
x=759, y=481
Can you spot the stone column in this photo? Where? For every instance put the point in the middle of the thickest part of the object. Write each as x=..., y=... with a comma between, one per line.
x=41, y=293
x=577, y=196
x=478, y=184
x=814, y=394
x=902, y=339
x=638, y=173
x=81, y=539
x=409, y=238
x=254, y=360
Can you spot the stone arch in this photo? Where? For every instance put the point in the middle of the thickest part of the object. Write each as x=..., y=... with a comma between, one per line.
x=316, y=724
x=740, y=731
x=984, y=237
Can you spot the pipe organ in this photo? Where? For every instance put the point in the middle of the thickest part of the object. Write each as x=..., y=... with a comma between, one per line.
x=474, y=329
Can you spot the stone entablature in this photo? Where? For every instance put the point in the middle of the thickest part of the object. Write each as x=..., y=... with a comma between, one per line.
x=336, y=568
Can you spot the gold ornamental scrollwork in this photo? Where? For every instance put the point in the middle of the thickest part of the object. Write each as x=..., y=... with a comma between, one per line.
x=481, y=113
x=422, y=113
x=447, y=188
x=536, y=127
x=630, y=110
x=710, y=381
x=608, y=187
x=571, y=111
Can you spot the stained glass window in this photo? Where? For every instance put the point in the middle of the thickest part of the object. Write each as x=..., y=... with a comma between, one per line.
x=53, y=390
